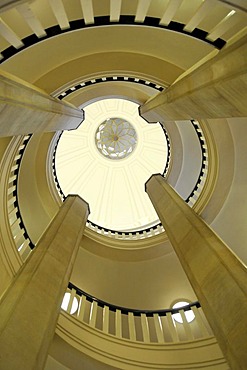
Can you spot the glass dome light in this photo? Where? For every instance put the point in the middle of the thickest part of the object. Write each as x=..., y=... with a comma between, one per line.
x=115, y=138
x=188, y=314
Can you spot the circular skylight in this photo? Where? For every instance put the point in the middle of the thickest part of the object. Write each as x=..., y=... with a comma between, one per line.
x=114, y=189
x=115, y=138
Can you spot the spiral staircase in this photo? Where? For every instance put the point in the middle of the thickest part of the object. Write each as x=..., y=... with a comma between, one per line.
x=107, y=57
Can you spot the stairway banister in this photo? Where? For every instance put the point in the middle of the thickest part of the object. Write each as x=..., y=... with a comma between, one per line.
x=125, y=310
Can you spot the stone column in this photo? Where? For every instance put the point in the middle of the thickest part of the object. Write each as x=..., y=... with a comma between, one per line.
x=216, y=274
x=25, y=109
x=30, y=307
x=216, y=89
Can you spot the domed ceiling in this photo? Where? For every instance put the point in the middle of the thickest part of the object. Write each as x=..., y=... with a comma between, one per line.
x=107, y=161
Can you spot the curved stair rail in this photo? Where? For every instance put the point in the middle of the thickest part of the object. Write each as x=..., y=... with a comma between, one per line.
x=194, y=195
x=128, y=235
x=161, y=326
x=10, y=163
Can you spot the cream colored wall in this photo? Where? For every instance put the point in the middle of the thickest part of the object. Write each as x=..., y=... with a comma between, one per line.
x=64, y=357
x=230, y=223
x=225, y=153
x=52, y=364
x=144, y=283
x=111, y=62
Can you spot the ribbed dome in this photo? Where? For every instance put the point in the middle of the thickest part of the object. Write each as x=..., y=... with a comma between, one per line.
x=113, y=188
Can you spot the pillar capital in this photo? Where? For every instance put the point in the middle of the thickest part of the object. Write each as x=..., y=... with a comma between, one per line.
x=78, y=197
x=155, y=175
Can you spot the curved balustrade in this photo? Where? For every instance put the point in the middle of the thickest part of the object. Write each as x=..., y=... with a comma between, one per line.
x=108, y=19
x=21, y=239
x=194, y=195
x=144, y=326
x=63, y=93
x=128, y=235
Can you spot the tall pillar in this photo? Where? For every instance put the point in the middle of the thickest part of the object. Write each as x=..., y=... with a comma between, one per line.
x=25, y=109
x=216, y=274
x=30, y=307
x=216, y=89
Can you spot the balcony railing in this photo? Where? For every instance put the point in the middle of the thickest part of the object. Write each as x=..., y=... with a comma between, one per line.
x=161, y=326
x=16, y=226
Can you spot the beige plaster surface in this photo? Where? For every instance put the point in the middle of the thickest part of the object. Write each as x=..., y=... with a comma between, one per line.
x=135, y=355
x=116, y=49
x=150, y=284
x=225, y=155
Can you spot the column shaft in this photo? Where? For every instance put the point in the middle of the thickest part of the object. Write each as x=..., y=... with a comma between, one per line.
x=216, y=274
x=30, y=307
x=25, y=109
x=216, y=89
